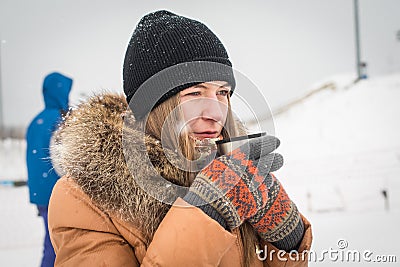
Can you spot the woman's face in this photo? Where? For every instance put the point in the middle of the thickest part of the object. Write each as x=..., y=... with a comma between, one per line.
x=205, y=107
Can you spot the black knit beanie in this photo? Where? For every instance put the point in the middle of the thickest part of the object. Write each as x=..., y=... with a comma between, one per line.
x=181, y=51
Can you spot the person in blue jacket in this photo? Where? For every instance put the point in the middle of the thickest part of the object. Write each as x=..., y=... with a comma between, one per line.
x=41, y=174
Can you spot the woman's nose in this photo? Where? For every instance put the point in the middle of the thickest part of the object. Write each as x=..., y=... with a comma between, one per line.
x=213, y=109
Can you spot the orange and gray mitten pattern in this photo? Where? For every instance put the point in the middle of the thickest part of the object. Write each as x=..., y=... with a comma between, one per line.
x=239, y=186
x=279, y=222
x=232, y=188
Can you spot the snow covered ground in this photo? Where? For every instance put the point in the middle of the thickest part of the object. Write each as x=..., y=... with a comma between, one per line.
x=22, y=231
x=341, y=150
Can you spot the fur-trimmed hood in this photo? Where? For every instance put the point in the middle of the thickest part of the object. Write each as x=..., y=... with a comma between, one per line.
x=94, y=147
x=117, y=166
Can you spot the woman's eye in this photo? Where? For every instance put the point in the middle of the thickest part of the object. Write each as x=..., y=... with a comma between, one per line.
x=193, y=94
x=223, y=92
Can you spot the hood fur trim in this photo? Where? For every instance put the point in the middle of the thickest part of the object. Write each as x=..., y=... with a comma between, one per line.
x=96, y=147
x=89, y=148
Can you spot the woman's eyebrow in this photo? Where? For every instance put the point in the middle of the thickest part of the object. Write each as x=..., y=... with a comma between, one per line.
x=205, y=87
x=225, y=85
x=200, y=86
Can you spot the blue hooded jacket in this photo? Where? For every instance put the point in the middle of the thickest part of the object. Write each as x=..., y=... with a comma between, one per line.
x=41, y=174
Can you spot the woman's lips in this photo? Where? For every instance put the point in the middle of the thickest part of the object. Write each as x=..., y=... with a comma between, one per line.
x=208, y=134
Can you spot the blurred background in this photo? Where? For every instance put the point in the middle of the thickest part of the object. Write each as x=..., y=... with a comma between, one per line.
x=329, y=71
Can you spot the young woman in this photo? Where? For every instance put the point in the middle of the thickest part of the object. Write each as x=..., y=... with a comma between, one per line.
x=111, y=208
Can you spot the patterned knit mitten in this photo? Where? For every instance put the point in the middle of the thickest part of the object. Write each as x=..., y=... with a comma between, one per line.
x=279, y=221
x=232, y=188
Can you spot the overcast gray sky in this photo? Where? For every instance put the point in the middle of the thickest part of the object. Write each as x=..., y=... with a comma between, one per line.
x=283, y=47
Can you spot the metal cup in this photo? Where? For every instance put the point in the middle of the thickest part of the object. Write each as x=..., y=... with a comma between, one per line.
x=225, y=146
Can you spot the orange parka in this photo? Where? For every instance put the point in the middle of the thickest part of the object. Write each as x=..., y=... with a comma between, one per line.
x=99, y=216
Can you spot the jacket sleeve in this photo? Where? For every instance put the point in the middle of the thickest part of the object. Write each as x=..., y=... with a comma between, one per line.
x=273, y=257
x=81, y=234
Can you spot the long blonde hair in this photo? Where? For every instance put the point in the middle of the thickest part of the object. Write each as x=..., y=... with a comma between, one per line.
x=155, y=124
